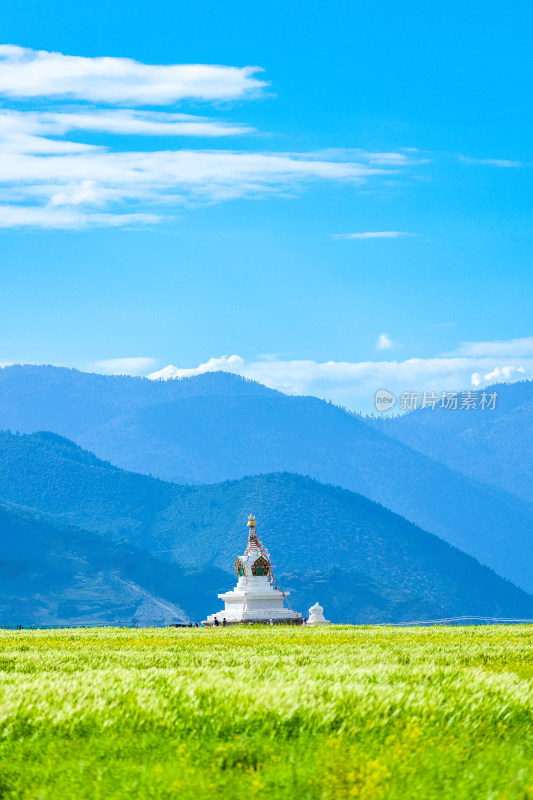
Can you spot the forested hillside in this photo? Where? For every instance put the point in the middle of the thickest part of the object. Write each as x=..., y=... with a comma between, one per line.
x=218, y=426
x=326, y=543
x=492, y=446
x=54, y=574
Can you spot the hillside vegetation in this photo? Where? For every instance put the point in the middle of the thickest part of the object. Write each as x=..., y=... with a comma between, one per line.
x=495, y=447
x=315, y=714
x=362, y=562
x=54, y=574
x=218, y=426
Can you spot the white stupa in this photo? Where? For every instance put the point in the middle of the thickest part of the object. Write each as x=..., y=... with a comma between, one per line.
x=256, y=598
x=316, y=615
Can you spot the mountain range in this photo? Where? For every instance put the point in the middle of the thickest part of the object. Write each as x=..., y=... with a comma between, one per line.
x=494, y=447
x=83, y=539
x=219, y=427
x=55, y=574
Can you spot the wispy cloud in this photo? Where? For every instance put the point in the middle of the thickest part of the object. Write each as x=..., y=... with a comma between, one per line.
x=33, y=126
x=373, y=235
x=50, y=181
x=353, y=384
x=498, y=375
x=408, y=156
x=490, y=162
x=497, y=347
x=37, y=73
x=137, y=365
x=51, y=217
x=221, y=364
x=157, y=178
x=35, y=168
x=438, y=325
x=385, y=342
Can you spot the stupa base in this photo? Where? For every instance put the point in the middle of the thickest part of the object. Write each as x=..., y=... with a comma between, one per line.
x=255, y=599
x=209, y=623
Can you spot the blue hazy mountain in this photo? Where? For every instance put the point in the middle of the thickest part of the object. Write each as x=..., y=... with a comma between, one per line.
x=362, y=561
x=493, y=446
x=218, y=426
x=55, y=574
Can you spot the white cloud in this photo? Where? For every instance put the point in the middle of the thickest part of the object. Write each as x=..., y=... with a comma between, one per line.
x=143, y=123
x=271, y=356
x=137, y=365
x=490, y=162
x=409, y=157
x=384, y=342
x=202, y=170
x=373, y=235
x=222, y=364
x=498, y=375
x=26, y=133
x=28, y=73
x=498, y=347
x=353, y=384
x=438, y=325
x=52, y=217
x=157, y=178
x=49, y=181
x=29, y=131
x=84, y=192
x=398, y=159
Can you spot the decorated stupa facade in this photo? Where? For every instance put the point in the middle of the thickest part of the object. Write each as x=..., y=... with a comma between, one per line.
x=255, y=598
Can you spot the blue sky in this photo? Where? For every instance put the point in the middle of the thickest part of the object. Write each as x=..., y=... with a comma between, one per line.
x=133, y=237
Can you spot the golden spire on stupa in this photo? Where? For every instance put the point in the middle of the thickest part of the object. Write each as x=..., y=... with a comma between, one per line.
x=253, y=540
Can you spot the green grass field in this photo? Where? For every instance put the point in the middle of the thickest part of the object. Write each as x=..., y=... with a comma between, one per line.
x=283, y=712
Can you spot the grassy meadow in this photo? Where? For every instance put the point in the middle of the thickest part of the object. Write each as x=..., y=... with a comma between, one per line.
x=284, y=712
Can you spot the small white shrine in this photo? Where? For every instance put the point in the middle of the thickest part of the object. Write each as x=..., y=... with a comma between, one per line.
x=316, y=615
x=256, y=598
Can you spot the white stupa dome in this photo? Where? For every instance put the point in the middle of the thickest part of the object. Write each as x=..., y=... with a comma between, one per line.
x=256, y=598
